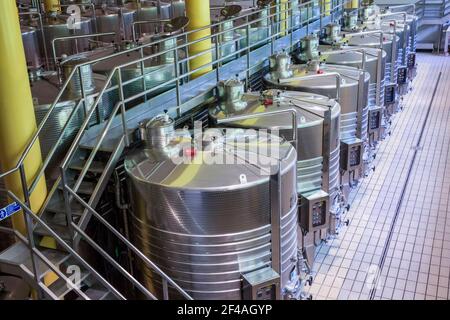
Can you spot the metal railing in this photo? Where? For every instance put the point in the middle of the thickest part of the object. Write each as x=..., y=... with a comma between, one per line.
x=274, y=22
x=30, y=216
x=141, y=62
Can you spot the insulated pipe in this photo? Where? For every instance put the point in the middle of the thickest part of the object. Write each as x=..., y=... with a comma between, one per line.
x=199, y=15
x=17, y=119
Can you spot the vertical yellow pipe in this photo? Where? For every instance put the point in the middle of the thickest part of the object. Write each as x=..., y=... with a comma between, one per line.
x=17, y=119
x=327, y=7
x=354, y=4
x=198, y=13
x=52, y=5
x=284, y=16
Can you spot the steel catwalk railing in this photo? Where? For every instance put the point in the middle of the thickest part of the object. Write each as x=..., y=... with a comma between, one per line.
x=108, y=87
x=30, y=216
x=177, y=79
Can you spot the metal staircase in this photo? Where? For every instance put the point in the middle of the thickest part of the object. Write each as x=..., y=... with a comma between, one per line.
x=64, y=216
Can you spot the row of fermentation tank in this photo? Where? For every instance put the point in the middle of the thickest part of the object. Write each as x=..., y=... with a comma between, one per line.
x=239, y=229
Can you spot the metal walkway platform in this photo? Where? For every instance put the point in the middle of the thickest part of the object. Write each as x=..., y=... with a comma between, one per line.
x=397, y=245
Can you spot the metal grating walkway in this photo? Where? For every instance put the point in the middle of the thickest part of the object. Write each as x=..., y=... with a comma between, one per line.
x=397, y=245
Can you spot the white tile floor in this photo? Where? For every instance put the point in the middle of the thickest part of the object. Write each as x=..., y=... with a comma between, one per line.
x=399, y=247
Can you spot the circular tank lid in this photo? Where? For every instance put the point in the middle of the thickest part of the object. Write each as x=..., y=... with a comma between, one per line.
x=159, y=122
x=176, y=24
x=220, y=166
x=310, y=109
x=230, y=10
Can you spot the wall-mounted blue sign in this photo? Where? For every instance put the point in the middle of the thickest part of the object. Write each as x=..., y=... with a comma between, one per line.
x=9, y=210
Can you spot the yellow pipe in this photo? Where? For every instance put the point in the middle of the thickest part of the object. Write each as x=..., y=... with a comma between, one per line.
x=17, y=119
x=198, y=13
x=284, y=16
x=354, y=4
x=327, y=7
x=52, y=5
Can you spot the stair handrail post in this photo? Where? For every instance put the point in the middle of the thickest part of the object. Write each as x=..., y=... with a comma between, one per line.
x=67, y=206
x=29, y=227
x=65, y=246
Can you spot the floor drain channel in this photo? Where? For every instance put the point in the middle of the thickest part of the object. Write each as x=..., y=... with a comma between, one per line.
x=416, y=148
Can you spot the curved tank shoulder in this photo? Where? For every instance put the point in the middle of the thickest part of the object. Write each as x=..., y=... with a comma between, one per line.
x=310, y=109
x=219, y=163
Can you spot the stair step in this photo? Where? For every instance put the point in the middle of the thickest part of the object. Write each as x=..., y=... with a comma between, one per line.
x=96, y=293
x=109, y=296
x=60, y=287
x=95, y=167
x=86, y=188
x=61, y=231
x=107, y=146
x=18, y=255
x=59, y=218
x=57, y=205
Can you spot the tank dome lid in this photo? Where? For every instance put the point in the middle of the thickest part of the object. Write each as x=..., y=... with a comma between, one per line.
x=160, y=121
x=310, y=109
x=222, y=164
